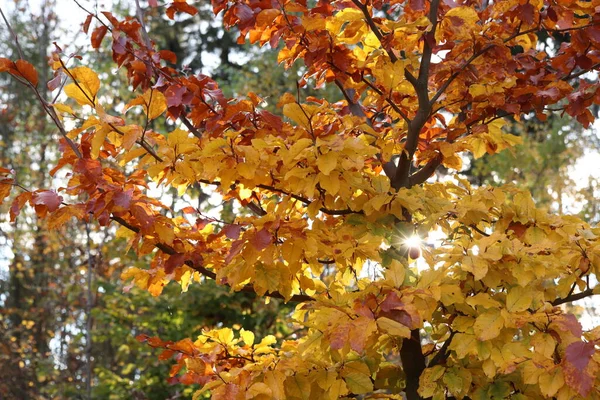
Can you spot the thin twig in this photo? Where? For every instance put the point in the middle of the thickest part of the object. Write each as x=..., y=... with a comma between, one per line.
x=13, y=34
x=140, y=16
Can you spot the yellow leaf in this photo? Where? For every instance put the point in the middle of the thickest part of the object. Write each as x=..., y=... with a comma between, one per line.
x=185, y=279
x=476, y=265
x=518, y=299
x=381, y=184
x=395, y=273
x=140, y=276
x=484, y=300
x=358, y=383
x=275, y=379
x=225, y=336
x=98, y=141
x=165, y=233
x=393, y=328
x=297, y=386
x=452, y=294
x=299, y=114
x=265, y=345
x=153, y=103
x=467, y=14
x=247, y=337
x=246, y=170
x=428, y=381
x=464, y=344
x=477, y=145
x=259, y=389
x=86, y=86
x=182, y=141
x=327, y=162
x=544, y=344
x=488, y=325
x=551, y=382
x=157, y=283
x=331, y=183
x=294, y=151
x=63, y=108
x=312, y=23
x=337, y=389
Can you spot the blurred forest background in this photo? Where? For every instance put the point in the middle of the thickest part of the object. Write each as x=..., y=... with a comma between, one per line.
x=67, y=323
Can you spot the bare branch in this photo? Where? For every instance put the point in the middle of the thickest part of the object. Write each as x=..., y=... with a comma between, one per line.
x=574, y=297
x=401, y=179
x=441, y=354
x=140, y=16
x=13, y=34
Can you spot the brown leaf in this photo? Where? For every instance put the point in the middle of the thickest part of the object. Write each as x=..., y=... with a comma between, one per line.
x=97, y=36
x=27, y=71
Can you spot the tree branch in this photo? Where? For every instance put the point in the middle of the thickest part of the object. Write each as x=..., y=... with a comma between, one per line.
x=441, y=354
x=297, y=298
x=401, y=179
x=574, y=297
x=425, y=172
x=413, y=363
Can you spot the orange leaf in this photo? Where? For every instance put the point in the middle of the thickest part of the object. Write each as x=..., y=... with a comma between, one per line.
x=97, y=36
x=27, y=71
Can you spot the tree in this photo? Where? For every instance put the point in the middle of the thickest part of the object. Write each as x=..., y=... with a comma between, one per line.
x=335, y=190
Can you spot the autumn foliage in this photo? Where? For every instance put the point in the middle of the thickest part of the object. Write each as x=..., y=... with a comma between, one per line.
x=330, y=189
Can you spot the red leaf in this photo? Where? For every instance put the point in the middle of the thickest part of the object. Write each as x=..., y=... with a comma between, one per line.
x=232, y=231
x=123, y=199
x=180, y=6
x=174, y=95
x=153, y=3
x=525, y=12
x=155, y=341
x=568, y=322
x=243, y=12
x=271, y=120
x=578, y=381
x=339, y=337
x=168, y=55
x=518, y=229
x=579, y=354
x=392, y=302
x=48, y=198
x=235, y=249
x=142, y=216
x=142, y=337
x=166, y=354
x=17, y=204
x=262, y=239
x=417, y=5
x=174, y=261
